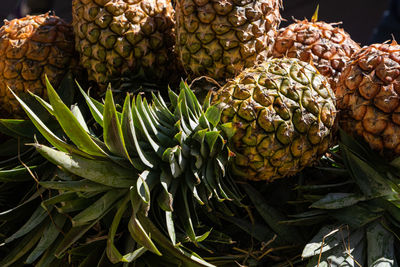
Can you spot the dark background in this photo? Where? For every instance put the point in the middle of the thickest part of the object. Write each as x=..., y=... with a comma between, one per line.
x=6, y=7
x=62, y=8
x=359, y=17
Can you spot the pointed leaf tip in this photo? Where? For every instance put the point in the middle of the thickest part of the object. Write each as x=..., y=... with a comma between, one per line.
x=315, y=16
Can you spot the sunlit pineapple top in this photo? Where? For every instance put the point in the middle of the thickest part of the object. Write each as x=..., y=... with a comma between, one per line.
x=282, y=111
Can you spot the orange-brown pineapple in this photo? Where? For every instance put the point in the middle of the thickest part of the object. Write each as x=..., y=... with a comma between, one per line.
x=31, y=47
x=326, y=46
x=368, y=95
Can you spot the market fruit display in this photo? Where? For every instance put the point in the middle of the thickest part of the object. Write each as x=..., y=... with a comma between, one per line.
x=127, y=167
x=221, y=38
x=368, y=97
x=30, y=48
x=133, y=38
x=283, y=112
x=326, y=45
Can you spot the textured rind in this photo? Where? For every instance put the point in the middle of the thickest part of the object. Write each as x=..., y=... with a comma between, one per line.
x=30, y=48
x=220, y=38
x=326, y=46
x=368, y=96
x=283, y=112
x=132, y=37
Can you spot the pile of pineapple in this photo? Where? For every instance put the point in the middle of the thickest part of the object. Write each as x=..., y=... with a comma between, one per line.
x=144, y=170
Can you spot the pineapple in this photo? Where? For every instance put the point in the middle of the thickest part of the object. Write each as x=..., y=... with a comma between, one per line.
x=31, y=48
x=283, y=111
x=368, y=97
x=121, y=37
x=327, y=47
x=220, y=38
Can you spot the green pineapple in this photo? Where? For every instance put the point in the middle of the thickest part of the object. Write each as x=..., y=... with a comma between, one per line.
x=283, y=113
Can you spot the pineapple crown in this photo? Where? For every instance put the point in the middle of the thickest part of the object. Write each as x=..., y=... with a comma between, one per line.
x=149, y=158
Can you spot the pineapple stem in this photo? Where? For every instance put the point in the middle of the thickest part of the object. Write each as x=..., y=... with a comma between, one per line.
x=315, y=16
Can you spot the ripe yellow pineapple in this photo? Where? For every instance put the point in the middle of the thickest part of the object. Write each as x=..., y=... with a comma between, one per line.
x=368, y=97
x=31, y=48
x=218, y=38
x=283, y=112
x=118, y=37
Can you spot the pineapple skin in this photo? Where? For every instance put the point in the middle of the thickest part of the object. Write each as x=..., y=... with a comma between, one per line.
x=30, y=48
x=329, y=48
x=368, y=95
x=125, y=37
x=283, y=113
x=220, y=38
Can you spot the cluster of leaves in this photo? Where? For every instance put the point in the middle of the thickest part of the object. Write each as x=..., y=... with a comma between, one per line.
x=148, y=168
x=360, y=210
x=26, y=228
